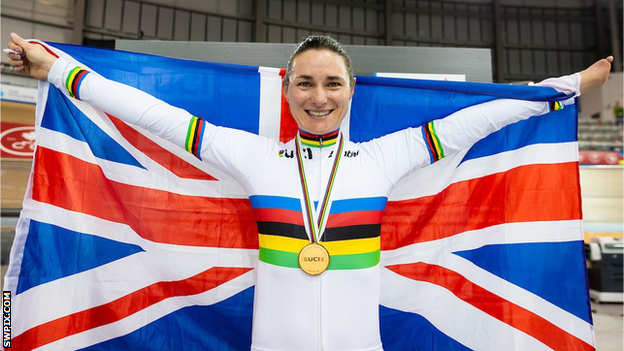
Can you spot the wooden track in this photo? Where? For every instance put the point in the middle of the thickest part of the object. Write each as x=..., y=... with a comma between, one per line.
x=14, y=112
x=14, y=179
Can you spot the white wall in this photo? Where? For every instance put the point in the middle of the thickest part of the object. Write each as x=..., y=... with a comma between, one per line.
x=602, y=194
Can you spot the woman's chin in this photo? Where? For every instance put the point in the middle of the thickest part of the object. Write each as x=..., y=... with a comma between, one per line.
x=319, y=129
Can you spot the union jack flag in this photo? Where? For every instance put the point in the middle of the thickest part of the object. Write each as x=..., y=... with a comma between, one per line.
x=126, y=241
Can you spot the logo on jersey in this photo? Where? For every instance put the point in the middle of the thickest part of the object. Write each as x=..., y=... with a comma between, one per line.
x=349, y=153
x=287, y=153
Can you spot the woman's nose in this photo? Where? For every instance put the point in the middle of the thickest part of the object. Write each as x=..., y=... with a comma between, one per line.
x=319, y=96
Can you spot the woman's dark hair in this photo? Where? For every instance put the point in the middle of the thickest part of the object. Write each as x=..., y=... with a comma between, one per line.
x=320, y=42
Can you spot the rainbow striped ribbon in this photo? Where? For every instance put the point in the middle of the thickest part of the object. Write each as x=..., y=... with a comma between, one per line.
x=315, y=228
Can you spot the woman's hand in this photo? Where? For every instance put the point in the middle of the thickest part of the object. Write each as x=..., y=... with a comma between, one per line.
x=595, y=75
x=31, y=59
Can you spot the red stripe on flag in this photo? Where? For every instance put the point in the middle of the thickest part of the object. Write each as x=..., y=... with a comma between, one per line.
x=68, y=182
x=288, y=126
x=354, y=218
x=278, y=215
x=160, y=155
x=494, y=305
x=524, y=194
x=123, y=307
x=45, y=47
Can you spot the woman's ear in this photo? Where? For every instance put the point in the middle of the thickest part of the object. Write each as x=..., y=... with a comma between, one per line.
x=285, y=90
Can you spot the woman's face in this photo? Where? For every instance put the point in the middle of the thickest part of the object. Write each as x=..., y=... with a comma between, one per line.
x=318, y=90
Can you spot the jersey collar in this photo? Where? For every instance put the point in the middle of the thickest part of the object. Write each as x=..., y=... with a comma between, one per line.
x=319, y=141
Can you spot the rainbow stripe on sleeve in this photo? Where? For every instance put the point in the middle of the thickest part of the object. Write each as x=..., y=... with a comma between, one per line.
x=556, y=106
x=194, y=136
x=434, y=146
x=74, y=79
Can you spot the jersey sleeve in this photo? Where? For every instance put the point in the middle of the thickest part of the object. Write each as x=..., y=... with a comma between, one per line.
x=401, y=153
x=218, y=146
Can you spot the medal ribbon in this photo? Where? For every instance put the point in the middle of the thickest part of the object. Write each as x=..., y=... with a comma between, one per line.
x=315, y=228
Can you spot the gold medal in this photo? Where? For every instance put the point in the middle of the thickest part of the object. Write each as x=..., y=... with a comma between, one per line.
x=313, y=259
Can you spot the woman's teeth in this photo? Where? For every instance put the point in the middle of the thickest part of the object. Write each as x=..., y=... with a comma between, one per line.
x=319, y=113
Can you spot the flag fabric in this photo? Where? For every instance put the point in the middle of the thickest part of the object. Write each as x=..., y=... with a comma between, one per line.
x=126, y=241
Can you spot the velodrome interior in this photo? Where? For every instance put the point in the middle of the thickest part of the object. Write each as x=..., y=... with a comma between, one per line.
x=519, y=62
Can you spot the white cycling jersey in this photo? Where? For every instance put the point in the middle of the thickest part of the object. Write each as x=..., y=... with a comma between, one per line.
x=337, y=310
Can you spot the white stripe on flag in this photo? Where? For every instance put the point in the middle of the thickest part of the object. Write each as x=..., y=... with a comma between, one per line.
x=270, y=102
x=454, y=317
x=508, y=233
x=151, y=314
x=345, y=127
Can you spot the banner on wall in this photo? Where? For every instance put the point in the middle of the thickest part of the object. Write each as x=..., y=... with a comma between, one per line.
x=17, y=140
x=606, y=158
x=17, y=93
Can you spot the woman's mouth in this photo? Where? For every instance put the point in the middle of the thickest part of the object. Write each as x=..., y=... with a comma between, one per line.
x=322, y=113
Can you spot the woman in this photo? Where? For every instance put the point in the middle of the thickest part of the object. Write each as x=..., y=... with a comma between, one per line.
x=318, y=272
